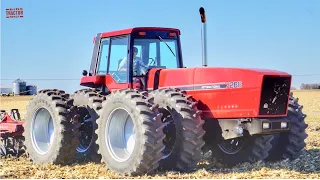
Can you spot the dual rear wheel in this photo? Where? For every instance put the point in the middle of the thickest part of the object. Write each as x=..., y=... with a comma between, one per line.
x=124, y=129
x=59, y=129
x=50, y=136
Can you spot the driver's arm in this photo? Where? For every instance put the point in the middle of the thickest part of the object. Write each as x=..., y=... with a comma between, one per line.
x=142, y=66
x=141, y=63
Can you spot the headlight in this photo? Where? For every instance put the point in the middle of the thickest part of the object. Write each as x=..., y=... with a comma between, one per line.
x=284, y=124
x=265, y=125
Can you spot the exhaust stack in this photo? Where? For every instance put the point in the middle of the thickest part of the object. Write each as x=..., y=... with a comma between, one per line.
x=203, y=37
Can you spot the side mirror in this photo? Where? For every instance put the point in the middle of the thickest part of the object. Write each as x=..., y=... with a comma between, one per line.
x=84, y=73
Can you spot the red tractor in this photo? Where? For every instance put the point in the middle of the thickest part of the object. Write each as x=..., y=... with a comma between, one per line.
x=143, y=109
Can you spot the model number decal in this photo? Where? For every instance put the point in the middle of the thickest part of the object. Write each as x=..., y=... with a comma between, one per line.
x=235, y=84
x=225, y=85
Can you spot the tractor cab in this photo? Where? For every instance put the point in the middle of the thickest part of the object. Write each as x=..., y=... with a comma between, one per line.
x=124, y=57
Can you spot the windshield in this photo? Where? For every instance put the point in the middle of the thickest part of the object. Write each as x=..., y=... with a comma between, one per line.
x=158, y=52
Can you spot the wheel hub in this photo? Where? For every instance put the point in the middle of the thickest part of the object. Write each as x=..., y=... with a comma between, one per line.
x=231, y=146
x=42, y=133
x=170, y=132
x=86, y=130
x=120, y=135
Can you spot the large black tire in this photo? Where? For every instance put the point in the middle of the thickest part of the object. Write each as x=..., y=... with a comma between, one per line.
x=88, y=102
x=56, y=92
x=65, y=141
x=290, y=144
x=252, y=149
x=184, y=136
x=148, y=132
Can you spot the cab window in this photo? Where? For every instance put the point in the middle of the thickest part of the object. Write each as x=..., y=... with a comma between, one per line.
x=103, y=57
x=168, y=58
x=119, y=49
x=159, y=53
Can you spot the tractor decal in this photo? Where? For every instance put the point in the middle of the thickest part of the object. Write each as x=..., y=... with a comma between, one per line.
x=208, y=86
x=212, y=86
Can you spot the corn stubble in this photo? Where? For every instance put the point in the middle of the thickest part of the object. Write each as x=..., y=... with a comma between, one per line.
x=307, y=166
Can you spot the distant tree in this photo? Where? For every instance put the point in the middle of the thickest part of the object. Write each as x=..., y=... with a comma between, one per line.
x=305, y=86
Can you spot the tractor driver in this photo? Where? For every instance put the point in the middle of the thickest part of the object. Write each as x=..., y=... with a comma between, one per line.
x=136, y=62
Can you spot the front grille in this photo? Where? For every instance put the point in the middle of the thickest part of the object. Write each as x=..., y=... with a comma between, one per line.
x=276, y=125
x=274, y=95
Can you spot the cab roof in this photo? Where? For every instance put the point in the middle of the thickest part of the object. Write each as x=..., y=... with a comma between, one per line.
x=130, y=30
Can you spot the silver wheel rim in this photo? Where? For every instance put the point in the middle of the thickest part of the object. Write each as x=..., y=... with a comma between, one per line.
x=83, y=145
x=83, y=148
x=120, y=135
x=42, y=133
x=232, y=146
x=170, y=132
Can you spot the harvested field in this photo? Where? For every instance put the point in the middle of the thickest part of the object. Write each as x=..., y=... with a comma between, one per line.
x=307, y=166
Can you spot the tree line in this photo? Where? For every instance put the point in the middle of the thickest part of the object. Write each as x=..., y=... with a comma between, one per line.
x=310, y=86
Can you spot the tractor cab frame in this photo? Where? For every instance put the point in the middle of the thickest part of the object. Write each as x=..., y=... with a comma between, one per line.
x=157, y=48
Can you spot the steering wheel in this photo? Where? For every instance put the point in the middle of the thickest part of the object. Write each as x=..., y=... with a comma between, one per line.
x=146, y=66
x=154, y=62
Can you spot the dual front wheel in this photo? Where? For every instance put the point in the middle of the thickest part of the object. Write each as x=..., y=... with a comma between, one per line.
x=279, y=146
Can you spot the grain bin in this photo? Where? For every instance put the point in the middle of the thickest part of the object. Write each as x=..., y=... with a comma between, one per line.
x=18, y=87
x=32, y=90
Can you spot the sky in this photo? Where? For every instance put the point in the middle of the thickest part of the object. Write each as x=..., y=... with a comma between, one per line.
x=54, y=39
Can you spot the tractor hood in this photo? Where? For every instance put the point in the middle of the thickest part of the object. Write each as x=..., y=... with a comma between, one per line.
x=204, y=78
x=220, y=90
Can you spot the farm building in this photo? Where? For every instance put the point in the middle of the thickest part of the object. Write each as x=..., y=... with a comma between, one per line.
x=19, y=87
